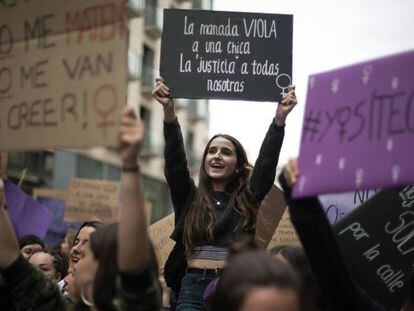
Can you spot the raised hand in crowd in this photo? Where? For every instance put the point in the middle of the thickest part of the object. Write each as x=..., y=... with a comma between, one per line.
x=290, y=172
x=161, y=93
x=133, y=230
x=288, y=102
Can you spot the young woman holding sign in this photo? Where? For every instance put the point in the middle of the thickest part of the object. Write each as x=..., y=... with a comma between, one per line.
x=223, y=207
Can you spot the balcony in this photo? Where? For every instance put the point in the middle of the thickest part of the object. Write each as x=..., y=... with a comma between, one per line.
x=134, y=8
x=38, y=166
x=134, y=65
x=182, y=103
x=198, y=110
x=203, y=4
x=147, y=79
x=153, y=21
x=149, y=149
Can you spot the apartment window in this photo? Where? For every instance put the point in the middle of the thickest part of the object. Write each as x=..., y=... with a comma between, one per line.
x=88, y=168
x=134, y=65
x=153, y=18
x=113, y=173
x=198, y=110
x=157, y=194
x=134, y=8
x=150, y=12
x=203, y=4
x=147, y=66
x=146, y=118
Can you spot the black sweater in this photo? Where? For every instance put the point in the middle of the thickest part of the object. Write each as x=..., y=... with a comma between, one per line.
x=183, y=190
x=324, y=255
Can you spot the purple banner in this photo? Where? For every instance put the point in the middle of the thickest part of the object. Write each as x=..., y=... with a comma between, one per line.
x=58, y=227
x=26, y=215
x=358, y=129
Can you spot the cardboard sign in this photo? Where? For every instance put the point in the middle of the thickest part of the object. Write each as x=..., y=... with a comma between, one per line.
x=92, y=199
x=58, y=227
x=26, y=215
x=285, y=233
x=226, y=55
x=270, y=213
x=148, y=211
x=337, y=206
x=358, y=128
x=62, y=73
x=159, y=233
x=377, y=241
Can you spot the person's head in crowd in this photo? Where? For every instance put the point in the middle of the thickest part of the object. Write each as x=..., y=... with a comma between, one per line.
x=30, y=244
x=97, y=270
x=67, y=241
x=225, y=168
x=255, y=281
x=311, y=296
x=81, y=239
x=69, y=286
x=52, y=263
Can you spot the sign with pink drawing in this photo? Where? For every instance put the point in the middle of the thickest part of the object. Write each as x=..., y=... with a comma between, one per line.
x=358, y=129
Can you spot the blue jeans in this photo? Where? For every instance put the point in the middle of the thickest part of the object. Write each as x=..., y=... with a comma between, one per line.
x=192, y=289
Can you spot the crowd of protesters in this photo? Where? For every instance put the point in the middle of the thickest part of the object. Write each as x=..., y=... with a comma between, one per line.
x=214, y=265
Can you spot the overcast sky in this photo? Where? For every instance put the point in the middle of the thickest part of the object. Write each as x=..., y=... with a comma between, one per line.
x=327, y=34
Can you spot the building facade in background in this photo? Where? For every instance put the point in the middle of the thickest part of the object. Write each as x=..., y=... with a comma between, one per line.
x=54, y=169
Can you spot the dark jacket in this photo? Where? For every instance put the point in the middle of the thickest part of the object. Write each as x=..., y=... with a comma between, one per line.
x=31, y=290
x=324, y=255
x=183, y=190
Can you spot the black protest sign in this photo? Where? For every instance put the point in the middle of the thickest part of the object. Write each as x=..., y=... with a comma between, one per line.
x=377, y=240
x=226, y=55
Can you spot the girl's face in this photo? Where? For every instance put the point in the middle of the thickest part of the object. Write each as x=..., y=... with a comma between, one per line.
x=80, y=241
x=69, y=285
x=65, y=245
x=30, y=249
x=85, y=270
x=44, y=262
x=221, y=160
x=271, y=299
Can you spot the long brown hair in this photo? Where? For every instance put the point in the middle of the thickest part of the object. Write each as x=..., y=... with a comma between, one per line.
x=104, y=246
x=199, y=223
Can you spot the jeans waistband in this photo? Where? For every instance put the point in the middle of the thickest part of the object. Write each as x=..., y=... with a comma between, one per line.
x=215, y=272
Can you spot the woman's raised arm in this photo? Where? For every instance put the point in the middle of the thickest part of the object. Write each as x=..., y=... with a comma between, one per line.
x=176, y=170
x=265, y=167
x=133, y=240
